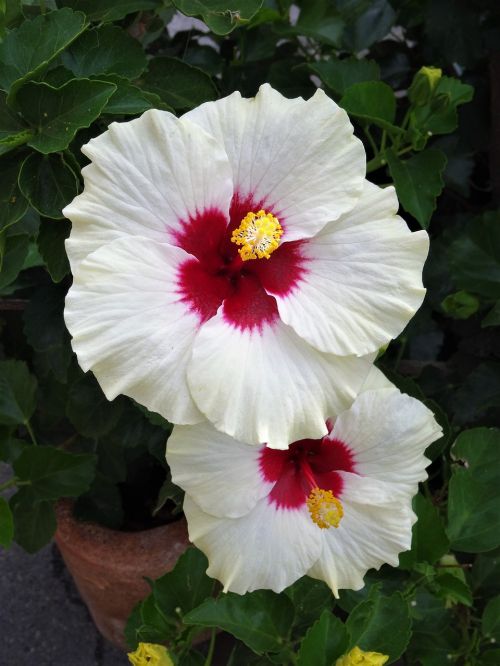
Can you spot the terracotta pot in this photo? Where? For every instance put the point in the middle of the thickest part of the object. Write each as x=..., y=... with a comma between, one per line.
x=109, y=566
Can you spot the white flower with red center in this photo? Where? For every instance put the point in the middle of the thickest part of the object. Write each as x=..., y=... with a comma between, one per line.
x=331, y=508
x=234, y=263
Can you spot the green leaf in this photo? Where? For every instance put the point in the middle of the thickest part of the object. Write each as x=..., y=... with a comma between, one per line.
x=474, y=256
x=35, y=522
x=12, y=203
x=461, y=305
x=130, y=100
x=221, y=16
x=6, y=524
x=418, y=182
x=260, y=619
x=54, y=473
x=27, y=50
x=46, y=332
x=368, y=622
x=338, y=75
x=105, y=11
x=88, y=409
x=318, y=20
x=180, y=85
x=102, y=503
x=366, y=22
x=58, y=113
x=10, y=447
x=490, y=622
x=493, y=316
x=13, y=132
x=474, y=491
x=453, y=589
x=326, y=641
x=429, y=541
x=106, y=50
x=439, y=116
x=51, y=246
x=17, y=393
x=185, y=587
x=372, y=101
x=13, y=256
x=48, y=183
x=310, y=597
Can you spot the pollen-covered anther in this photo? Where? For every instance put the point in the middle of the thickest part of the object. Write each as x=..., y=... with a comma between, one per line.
x=325, y=509
x=259, y=235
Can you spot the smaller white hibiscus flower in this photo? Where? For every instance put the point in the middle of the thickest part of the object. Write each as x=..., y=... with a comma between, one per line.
x=331, y=508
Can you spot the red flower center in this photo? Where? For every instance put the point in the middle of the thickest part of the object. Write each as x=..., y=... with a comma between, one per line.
x=304, y=465
x=216, y=274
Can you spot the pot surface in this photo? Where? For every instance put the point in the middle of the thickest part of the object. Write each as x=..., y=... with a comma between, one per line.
x=109, y=566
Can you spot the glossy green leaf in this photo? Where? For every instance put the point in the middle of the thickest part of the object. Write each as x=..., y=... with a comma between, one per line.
x=56, y=114
x=180, y=85
x=429, y=541
x=104, y=11
x=439, y=116
x=371, y=101
x=453, y=589
x=369, y=620
x=221, y=16
x=35, y=522
x=129, y=99
x=106, y=50
x=6, y=524
x=366, y=22
x=13, y=132
x=26, y=51
x=185, y=587
x=17, y=392
x=418, y=181
x=326, y=641
x=48, y=183
x=474, y=491
x=51, y=246
x=12, y=203
x=490, y=623
x=54, y=473
x=317, y=20
x=338, y=75
x=474, y=256
x=309, y=597
x=260, y=619
x=88, y=409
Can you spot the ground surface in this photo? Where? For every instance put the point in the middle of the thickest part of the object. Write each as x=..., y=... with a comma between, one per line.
x=43, y=621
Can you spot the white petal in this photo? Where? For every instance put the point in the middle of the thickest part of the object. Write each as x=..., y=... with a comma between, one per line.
x=129, y=327
x=376, y=380
x=268, y=548
x=363, y=279
x=298, y=158
x=268, y=385
x=368, y=536
x=388, y=432
x=221, y=474
x=146, y=176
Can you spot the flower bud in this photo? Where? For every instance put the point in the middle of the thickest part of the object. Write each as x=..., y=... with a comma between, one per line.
x=423, y=85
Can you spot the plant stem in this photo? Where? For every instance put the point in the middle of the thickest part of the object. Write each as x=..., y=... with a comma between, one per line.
x=8, y=484
x=211, y=648
x=31, y=433
x=371, y=140
x=376, y=163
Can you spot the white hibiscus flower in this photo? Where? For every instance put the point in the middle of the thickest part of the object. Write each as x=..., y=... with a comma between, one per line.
x=331, y=508
x=234, y=263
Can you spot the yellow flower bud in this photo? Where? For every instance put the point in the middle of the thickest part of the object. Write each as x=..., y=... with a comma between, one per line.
x=149, y=654
x=357, y=657
x=423, y=85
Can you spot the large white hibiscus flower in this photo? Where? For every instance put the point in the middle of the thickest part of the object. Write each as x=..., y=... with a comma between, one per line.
x=233, y=264
x=331, y=508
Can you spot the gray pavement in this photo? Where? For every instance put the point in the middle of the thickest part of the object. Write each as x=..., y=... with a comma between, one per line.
x=43, y=621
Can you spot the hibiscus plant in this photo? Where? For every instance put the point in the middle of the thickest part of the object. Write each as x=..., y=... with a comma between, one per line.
x=217, y=214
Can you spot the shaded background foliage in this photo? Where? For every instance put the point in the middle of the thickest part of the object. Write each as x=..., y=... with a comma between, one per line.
x=70, y=67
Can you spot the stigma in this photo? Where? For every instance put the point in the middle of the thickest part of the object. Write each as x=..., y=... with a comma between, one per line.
x=325, y=509
x=259, y=235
